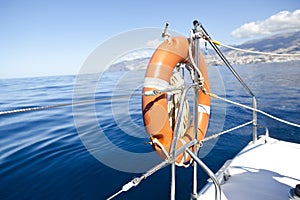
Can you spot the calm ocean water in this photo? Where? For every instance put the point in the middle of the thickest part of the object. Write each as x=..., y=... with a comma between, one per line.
x=62, y=153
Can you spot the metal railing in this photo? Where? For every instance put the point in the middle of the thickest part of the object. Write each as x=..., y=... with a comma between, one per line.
x=200, y=32
x=197, y=33
x=206, y=36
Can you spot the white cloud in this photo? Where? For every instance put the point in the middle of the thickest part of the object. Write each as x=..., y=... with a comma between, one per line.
x=141, y=53
x=135, y=54
x=280, y=22
x=154, y=43
x=145, y=52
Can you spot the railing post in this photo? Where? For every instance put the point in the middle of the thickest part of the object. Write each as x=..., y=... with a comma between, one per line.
x=254, y=123
x=175, y=139
x=173, y=177
x=196, y=111
x=209, y=173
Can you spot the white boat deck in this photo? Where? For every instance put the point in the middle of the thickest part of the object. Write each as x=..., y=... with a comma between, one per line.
x=264, y=170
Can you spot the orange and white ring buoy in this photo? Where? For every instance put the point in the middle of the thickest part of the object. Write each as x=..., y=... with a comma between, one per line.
x=155, y=108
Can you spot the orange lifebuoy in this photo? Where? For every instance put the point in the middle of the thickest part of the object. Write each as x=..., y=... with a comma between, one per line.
x=155, y=108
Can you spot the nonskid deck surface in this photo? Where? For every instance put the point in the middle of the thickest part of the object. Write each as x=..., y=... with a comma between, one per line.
x=264, y=170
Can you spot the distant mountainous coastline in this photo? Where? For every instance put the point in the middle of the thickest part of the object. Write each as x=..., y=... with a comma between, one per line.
x=280, y=43
x=283, y=43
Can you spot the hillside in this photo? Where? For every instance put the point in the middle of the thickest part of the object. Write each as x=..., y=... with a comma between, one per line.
x=280, y=43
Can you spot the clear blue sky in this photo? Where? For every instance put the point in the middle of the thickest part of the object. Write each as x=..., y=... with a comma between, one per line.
x=54, y=37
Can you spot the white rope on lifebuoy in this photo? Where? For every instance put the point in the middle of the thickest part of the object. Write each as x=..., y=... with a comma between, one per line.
x=173, y=105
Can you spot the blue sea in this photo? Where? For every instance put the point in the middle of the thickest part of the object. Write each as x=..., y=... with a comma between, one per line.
x=90, y=150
